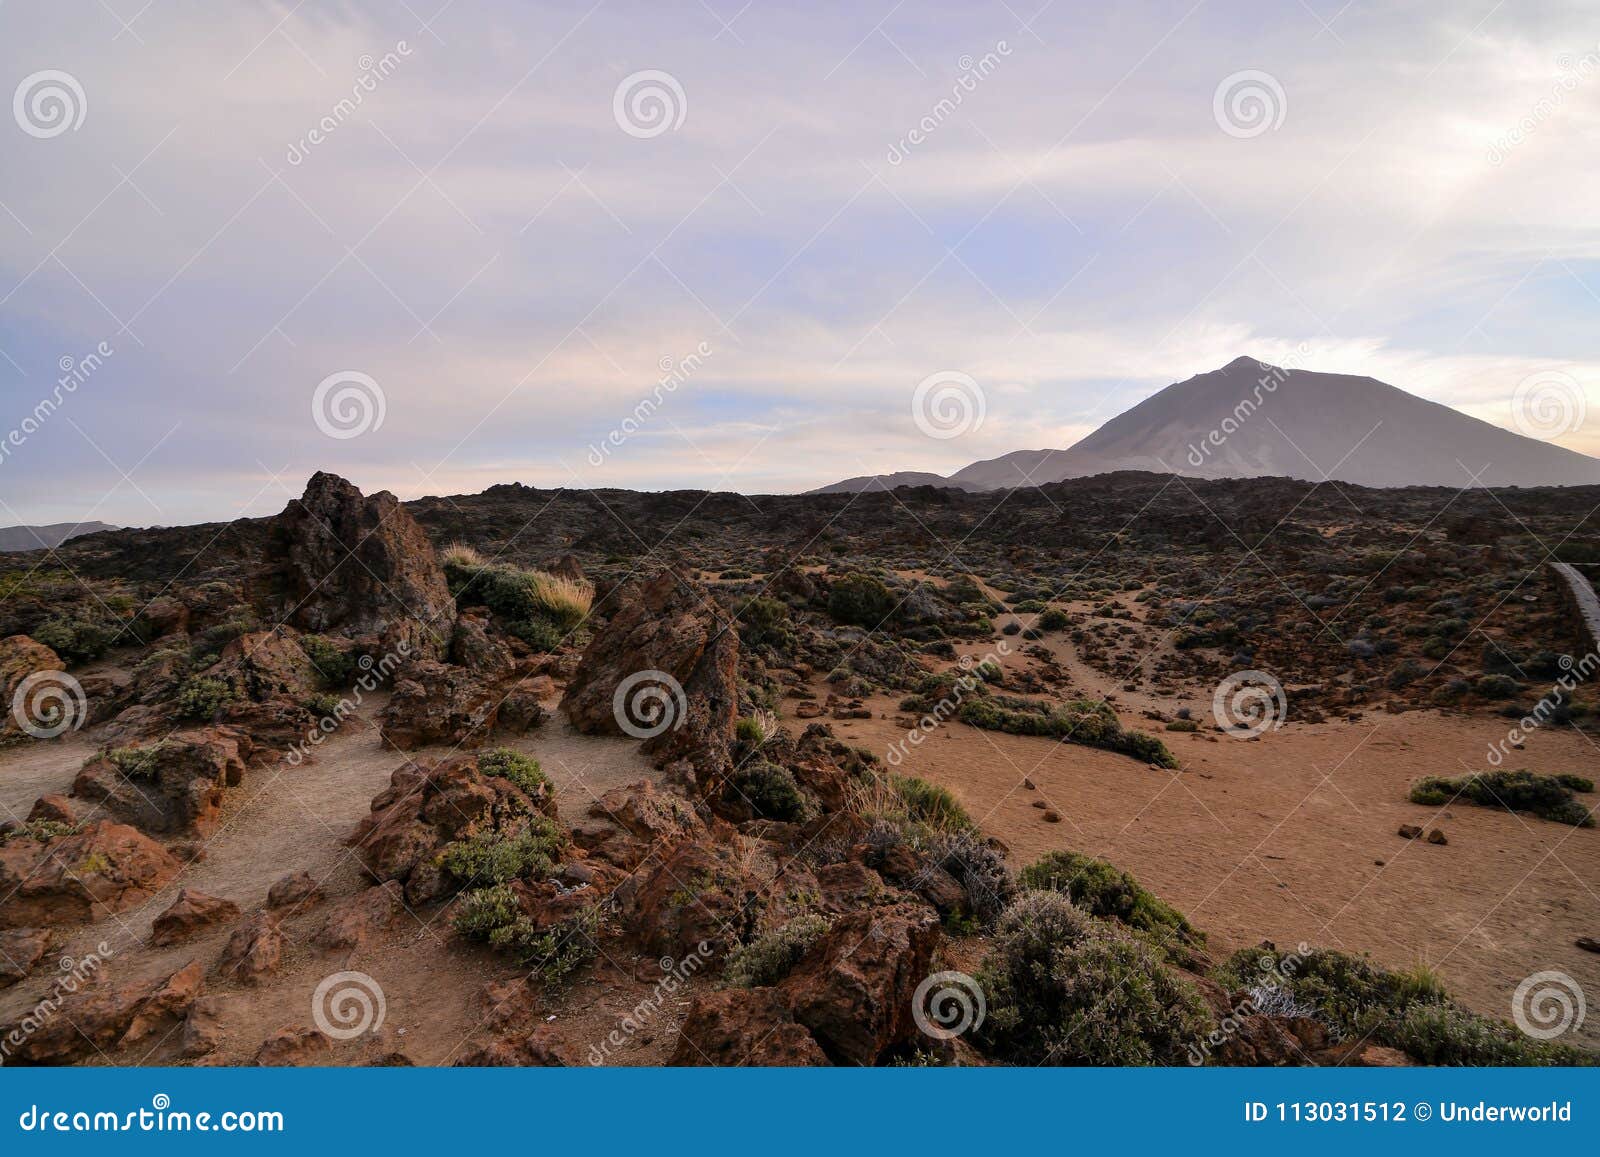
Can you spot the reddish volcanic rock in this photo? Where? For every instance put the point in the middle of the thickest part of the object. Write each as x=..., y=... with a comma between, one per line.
x=103, y=869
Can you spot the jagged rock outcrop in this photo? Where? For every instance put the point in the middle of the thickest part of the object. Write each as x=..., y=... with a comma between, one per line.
x=357, y=566
x=80, y=876
x=664, y=667
x=254, y=951
x=95, y=1020
x=172, y=787
x=545, y=1047
x=744, y=1026
x=439, y=703
x=20, y=950
x=853, y=989
x=427, y=807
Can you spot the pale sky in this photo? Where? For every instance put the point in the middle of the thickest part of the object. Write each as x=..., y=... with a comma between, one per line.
x=509, y=249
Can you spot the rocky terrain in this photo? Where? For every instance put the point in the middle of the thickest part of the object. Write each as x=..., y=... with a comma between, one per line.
x=914, y=776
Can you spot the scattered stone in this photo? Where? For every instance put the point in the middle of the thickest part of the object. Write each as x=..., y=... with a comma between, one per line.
x=296, y=890
x=189, y=913
x=293, y=1046
x=254, y=951
x=173, y=787
x=1051, y=816
x=202, y=1027
x=357, y=566
x=1410, y=832
x=545, y=1047
x=20, y=950
x=352, y=923
x=1588, y=943
x=853, y=988
x=1437, y=837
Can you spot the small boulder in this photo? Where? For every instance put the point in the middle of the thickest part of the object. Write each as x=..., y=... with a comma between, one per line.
x=254, y=951
x=20, y=950
x=297, y=890
x=293, y=1046
x=189, y=913
x=744, y=1026
x=86, y=875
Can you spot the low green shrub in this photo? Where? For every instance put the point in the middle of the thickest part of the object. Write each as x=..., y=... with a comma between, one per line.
x=1064, y=989
x=769, y=957
x=336, y=665
x=771, y=791
x=523, y=771
x=1103, y=890
x=493, y=915
x=203, y=696
x=1547, y=796
x=494, y=857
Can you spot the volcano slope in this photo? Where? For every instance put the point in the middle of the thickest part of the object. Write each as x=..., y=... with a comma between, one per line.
x=1131, y=769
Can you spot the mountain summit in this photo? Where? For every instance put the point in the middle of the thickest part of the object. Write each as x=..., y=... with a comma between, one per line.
x=1250, y=419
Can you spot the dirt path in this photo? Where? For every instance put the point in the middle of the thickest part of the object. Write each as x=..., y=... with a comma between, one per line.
x=297, y=818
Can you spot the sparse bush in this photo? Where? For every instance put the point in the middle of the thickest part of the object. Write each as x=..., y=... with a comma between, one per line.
x=1547, y=796
x=519, y=596
x=540, y=634
x=861, y=600
x=493, y=857
x=523, y=771
x=203, y=696
x=930, y=804
x=1054, y=619
x=1093, y=724
x=1103, y=890
x=75, y=640
x=765, y=622
x=1496, y=686
x=137, y=762
x=771, y=791
x=335, y=664
x=460, y=554
x=770, y=957
x=1064, y=989
x=493, y=916
x=980, y=869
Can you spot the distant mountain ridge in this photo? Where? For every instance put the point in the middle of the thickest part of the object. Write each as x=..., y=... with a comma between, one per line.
x=14, y=538
x=1251, y=419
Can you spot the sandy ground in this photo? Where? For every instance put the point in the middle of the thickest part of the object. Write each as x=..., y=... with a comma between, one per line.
x=1293, y=836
